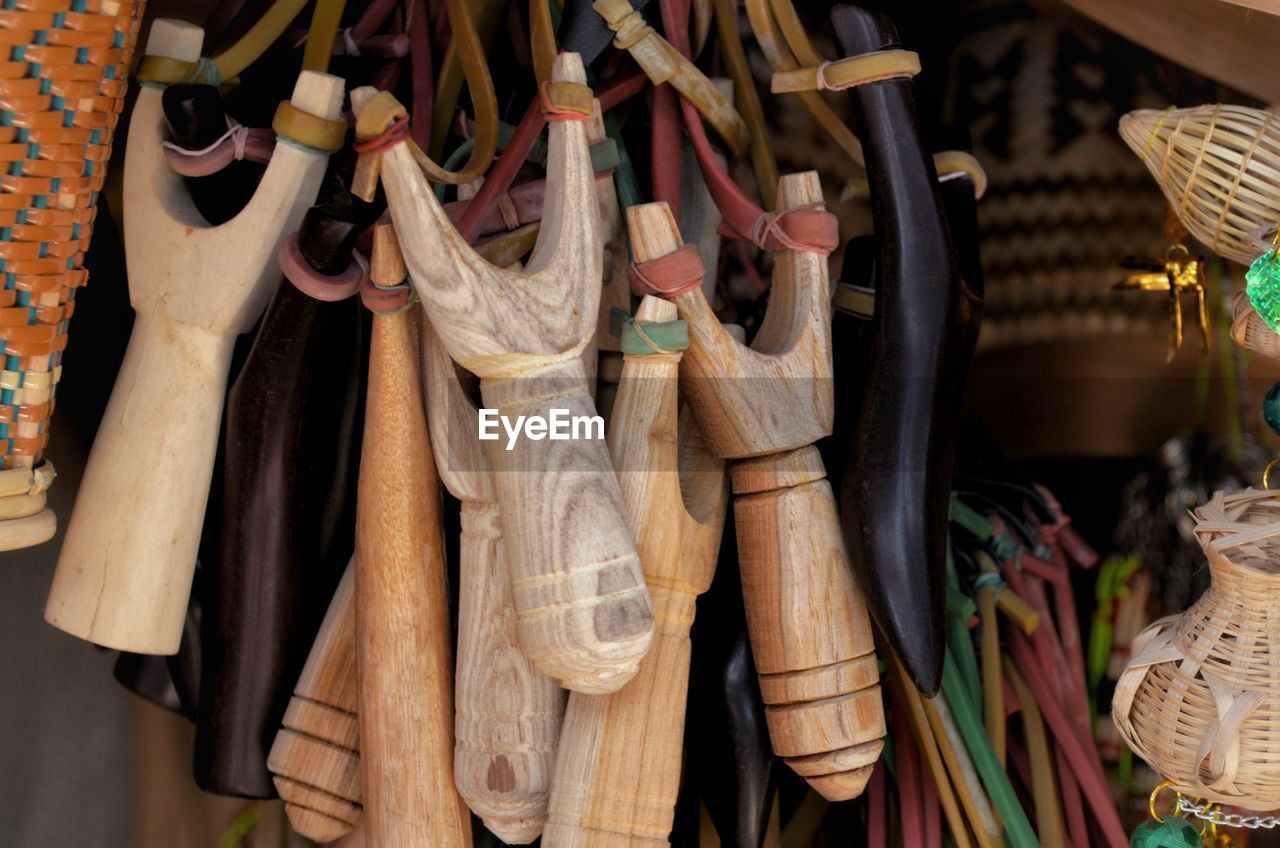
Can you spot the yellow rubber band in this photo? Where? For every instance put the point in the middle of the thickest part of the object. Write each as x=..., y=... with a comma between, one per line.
x=311, y=130
x=321, y=35
x=164, y=70
x=962, y=162
x=847, y=73
x=573, y=96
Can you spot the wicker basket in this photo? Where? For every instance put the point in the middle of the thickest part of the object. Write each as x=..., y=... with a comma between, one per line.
x=1200, y=700
x=1248, y=329
x=1219, y=167
x=61, y=91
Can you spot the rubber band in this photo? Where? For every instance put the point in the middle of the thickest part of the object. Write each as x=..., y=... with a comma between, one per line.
x=302, y=127
x=955, y=163
x=808, y=227
x=648, y=338
x=397, y=132
x=843, y=74
x=315, y=285
x=387, y=300
x=667, y=276
x=565, y=101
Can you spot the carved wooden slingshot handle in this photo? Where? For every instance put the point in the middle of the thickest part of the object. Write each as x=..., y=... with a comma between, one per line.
x=126, y=565
x=764, y=406
x=403, y=634
x=618, y=772
x=508, y=714
x=315, y=758
x=585, y=616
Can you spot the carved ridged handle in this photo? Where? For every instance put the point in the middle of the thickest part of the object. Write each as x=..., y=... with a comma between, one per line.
x=316, y=758
x=129, y=555
x=403, y=638
x=584, y=612
x=818, y=673
x=508, y=713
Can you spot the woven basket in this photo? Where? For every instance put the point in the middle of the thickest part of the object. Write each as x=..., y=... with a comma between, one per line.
x=61, y=91
x=1219, y=167
x=1248, y=329
x=1200, y=700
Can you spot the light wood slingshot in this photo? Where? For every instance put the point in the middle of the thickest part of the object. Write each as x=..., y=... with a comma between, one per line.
x=403, y=633
x=125, y=570
x=315, y=758
x=584, y=612
x=764, y=407
x=508, y=714
x=618, y=771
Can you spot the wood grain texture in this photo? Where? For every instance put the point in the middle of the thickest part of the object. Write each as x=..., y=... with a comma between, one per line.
x=777, y=394
x=584, y=612
x=403, y=633
x=618, y=771
x=315, y=758
x=1229, y=41
x=508, y=714
x=126, y=564
x=810, y=631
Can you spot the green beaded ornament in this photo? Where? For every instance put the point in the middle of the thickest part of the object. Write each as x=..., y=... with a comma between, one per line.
x=1173, y=832
x=1263, y=285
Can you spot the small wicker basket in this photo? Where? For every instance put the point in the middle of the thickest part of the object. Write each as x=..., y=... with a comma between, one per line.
x=1219, y=167
x=1248, y=329
x=61, y=91
x=1200, y=700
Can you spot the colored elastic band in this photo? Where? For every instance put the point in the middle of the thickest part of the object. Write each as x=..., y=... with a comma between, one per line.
x=387, y=300
x=237, y=143
x=565, y=101
x=319, y=286
x=397, y=132
x=955, y=163
x=667, y=276
x=642, y=338
x=847, y=73
x=808, y=228
x=300, y=126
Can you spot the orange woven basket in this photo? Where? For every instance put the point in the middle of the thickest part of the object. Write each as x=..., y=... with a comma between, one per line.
x=62, y=85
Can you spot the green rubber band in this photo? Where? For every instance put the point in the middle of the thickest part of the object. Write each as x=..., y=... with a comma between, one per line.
x=640, y=338
x=604, y=155
x=970, y=519
x=413, y=300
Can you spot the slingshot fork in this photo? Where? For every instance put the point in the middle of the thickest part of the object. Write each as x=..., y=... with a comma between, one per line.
x=763, y=407
x=584, y=612
x=125, y=570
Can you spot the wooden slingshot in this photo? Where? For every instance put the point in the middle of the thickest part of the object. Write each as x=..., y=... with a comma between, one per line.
x=315, y=759
x=618, y=772
x=764, y=407
x=584, y=612
x=403, y=633
x=126, y=565
x=508, y=714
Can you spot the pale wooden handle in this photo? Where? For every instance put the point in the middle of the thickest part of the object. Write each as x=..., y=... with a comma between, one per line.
x=316, y=754
x=584, y=612
x=810, y=632
x=508, y=713
x=403, y=638
x=618, y=773
x=124, y=573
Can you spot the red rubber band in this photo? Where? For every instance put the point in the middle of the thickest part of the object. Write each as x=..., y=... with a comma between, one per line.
x=391, y=136
x=667, y=276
